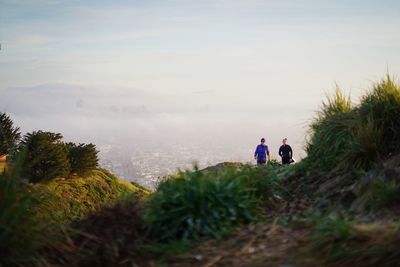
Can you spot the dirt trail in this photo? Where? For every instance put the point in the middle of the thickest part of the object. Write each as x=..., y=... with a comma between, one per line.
x=256, y=245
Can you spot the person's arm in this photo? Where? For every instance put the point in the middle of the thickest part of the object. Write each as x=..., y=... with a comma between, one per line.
x=269, y=158
x=290, y=152
x=280, y=151
x=255, y=153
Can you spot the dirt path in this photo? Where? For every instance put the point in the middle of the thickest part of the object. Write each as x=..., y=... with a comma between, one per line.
x=257, y=245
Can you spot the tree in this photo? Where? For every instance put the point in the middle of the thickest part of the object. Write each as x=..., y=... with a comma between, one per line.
x=46, y=156
x=83, y=158
x=9, y=134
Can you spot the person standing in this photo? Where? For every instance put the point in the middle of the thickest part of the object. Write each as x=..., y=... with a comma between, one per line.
x=261, y=153
x=286, y=152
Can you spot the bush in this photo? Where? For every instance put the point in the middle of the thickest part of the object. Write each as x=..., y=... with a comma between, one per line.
x=83, y=158
x=46, y=156
x=192, y=204
x=9, y=134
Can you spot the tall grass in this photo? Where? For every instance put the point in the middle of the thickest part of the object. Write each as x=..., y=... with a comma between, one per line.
x=113, y=236
x=381, y=106
x=356, y=136
x=19, y=234
x=192, y=204
x=330, y=131
x=341, y=242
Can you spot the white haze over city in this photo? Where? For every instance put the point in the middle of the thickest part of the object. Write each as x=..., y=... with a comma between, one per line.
x=158, y=85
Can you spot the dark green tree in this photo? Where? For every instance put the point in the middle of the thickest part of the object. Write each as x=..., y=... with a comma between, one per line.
x=9, y=134
x=83, y=158
x=46, y=156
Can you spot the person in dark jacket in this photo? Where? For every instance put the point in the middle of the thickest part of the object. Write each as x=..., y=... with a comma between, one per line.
x=261, y=153
x=286, y=153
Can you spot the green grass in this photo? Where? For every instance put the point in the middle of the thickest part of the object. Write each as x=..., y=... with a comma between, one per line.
x=65, y=200
x=20, y=235
x=342, y=242
x=195, y=204
x=356, y=136
x=113, y=236
x=378, y=194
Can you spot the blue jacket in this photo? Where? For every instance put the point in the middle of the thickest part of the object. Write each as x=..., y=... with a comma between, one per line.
x=261, y=152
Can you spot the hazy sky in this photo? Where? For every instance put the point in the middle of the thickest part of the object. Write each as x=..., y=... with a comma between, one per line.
x=190, y=71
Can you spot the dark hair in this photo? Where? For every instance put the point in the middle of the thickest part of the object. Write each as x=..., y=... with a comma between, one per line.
x=263, y=139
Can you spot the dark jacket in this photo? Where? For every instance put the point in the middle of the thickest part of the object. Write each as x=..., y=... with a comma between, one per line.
x=285, y=151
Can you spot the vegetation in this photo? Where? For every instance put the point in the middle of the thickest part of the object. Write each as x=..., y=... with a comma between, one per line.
x=46, y=156
x=356, y=136
x=83, y=158
x=65, y=200
x=19, y=234
x=111, y=237
x=192, y=204
x=9, y=134
x=337, y=207
x=345, y=243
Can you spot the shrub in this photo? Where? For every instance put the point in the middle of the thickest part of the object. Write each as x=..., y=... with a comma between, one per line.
x=9, y=134
x=83, y=158
x=46, y=156
x=192, y=204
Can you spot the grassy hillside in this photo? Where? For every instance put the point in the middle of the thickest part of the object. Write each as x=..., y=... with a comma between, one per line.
x=338, y=207
x=64, y=200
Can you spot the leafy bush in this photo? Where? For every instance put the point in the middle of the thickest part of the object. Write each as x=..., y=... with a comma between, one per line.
x=192, y=204
x=46, y=156
x=83, y=158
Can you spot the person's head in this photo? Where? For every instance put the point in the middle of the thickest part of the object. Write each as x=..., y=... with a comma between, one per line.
x=262, y=140
x=284, y=141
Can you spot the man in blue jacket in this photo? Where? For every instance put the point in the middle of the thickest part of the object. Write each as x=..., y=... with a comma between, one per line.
x=261, y=153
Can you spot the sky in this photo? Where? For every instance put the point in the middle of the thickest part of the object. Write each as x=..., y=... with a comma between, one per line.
x=180, y=71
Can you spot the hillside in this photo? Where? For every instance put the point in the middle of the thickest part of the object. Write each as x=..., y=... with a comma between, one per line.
x=338, y=207
x=65, y=200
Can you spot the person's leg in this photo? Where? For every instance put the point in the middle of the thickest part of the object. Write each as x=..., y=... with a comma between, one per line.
x=261, y=162
x=285, y=160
